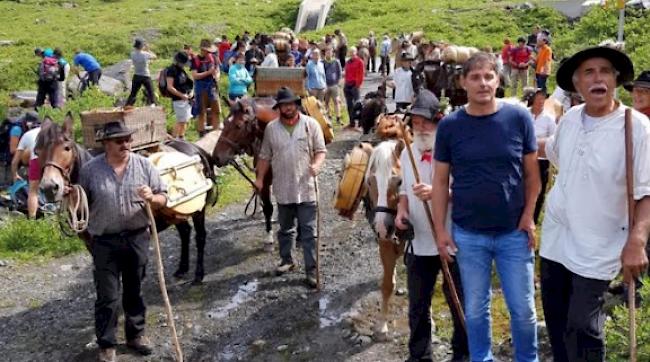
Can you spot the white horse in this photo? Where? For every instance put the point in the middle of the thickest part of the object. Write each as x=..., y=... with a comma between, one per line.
x=383, y=178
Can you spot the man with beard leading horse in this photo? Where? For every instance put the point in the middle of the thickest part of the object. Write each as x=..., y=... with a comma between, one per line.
x=118, y=184
x=294, y=147
x=422, y=258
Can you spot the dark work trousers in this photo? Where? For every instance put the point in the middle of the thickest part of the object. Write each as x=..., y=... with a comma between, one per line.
x=384, y=67
x=351, y=93
x=343, y=52
x=543, y=174
x=114, y=256
x=422, y=272
x=49, y=88
x=573, y=309
x=139, y=81
x=305, y=214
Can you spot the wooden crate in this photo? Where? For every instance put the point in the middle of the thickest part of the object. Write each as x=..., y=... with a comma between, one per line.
x=269, y=80
x=149, y=124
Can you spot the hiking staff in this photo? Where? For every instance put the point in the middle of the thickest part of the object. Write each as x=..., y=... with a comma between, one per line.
x=445, y=266
x=631, y=205
x=311, y=152
x=161, y=282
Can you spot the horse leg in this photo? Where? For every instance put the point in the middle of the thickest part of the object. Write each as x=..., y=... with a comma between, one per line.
x=388, y=255
x=184, y=232
x=267, y=208
x=199, y=229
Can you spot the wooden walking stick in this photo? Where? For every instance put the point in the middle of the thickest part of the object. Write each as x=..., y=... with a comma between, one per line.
x=445, y=266
x=312, y=155
x=631, y=204
x=161, y=282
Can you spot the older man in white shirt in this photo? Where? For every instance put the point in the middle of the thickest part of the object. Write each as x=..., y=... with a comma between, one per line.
x=585, y=235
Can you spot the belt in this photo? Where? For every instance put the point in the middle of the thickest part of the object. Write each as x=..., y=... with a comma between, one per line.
x=121, y=235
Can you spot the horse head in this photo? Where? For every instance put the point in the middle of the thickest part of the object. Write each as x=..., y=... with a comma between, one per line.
x=383, y=179
x=238, y=134
x=58, y=155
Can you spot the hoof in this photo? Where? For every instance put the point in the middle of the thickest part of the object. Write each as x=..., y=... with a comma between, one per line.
x=197, y=281
x=180, y=273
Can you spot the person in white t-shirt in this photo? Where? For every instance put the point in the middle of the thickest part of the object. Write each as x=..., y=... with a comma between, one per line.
x=402, y=83
x=422, y=259
x=544, y=124
x=585, y=234
x=26, y=145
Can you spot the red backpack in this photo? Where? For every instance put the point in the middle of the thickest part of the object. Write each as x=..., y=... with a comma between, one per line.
x=49, y=70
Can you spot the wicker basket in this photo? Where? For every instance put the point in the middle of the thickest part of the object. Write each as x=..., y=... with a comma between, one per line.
x=269, y=80
x=149, y=124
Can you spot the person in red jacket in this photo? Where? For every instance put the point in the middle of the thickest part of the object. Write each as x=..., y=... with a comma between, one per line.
x=224, y=46
x=354, y=69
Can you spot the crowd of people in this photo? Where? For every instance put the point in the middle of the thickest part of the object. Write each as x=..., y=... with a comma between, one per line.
x=497, y=154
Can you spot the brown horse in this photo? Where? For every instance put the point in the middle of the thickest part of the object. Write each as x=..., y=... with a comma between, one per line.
x=61, y=160
x=383, y=178
x=242, y=133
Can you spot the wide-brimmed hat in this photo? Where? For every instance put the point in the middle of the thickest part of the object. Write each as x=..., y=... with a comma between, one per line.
x=642, y=81
x=112, y=130
x=619, y=60
x=207, y=45
x=426, y=104
x=285, y=95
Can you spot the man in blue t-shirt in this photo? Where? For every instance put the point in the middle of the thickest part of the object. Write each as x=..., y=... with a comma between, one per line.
x=90, y=65
x=490, y=150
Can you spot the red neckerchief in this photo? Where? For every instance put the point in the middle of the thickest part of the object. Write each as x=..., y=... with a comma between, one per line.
x=427, y=156
x=292, y=122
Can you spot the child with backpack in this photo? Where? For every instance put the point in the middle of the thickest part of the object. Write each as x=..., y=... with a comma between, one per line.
x=205, y=73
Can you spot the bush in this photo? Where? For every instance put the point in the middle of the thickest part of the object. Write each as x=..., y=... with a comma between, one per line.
x=616, y=329
x=25, y=239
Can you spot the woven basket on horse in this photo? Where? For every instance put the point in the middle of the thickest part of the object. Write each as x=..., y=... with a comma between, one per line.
x=314, y=109
x=268, y=80
x=187, y=185
x=351, y=187
x=149, y=124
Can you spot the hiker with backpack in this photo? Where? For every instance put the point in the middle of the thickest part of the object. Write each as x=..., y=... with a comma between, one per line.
x=26, y=150
x=49, y=75
x=90, y=65
x=65, y=68
x=205, y=74
x=141, y=56
x=178, y=86
x=520, y=58
x=11, y=130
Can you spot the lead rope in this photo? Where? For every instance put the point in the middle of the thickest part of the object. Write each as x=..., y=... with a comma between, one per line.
x=77, y=209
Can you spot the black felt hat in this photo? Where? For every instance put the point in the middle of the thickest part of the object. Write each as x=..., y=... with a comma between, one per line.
x=112, y=130
x=619, y=60
x=285, y=95
x=642, y=81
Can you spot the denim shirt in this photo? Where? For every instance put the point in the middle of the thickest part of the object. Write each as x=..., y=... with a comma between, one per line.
x=316, y=75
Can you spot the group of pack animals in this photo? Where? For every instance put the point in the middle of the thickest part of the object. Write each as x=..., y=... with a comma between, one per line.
x=62, y=158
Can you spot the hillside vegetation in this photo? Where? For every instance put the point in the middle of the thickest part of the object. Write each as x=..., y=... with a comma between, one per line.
x=106, y=28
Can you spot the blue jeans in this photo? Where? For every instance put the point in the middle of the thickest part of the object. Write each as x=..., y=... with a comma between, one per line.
x=541, y=81
x=515, y=264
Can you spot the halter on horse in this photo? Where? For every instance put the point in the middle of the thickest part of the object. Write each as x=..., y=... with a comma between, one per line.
x=242, y=133
x=383, y=180
x=62, y=159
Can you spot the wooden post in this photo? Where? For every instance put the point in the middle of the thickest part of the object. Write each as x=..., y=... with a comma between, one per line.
x=631, y=205
x=163, y=287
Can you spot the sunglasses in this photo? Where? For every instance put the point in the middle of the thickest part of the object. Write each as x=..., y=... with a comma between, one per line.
x=121, y=141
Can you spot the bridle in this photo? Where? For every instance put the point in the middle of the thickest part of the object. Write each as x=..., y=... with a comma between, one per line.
x=77, y=207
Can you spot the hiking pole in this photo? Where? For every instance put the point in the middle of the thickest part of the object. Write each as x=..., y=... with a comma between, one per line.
x=445, y=265
x=161, y=282
x=311, y=151
x=631, y=204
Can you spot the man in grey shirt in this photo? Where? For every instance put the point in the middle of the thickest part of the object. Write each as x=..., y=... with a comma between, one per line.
x=295, y=148
x=118, y=184
x=140, y=56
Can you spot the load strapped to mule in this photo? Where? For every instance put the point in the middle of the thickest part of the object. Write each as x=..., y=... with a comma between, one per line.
x=185, y=176
x=352, y=188
x=269, y=80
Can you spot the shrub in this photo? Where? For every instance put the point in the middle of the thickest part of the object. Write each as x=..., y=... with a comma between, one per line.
x=22, y=238
x=616, y=329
